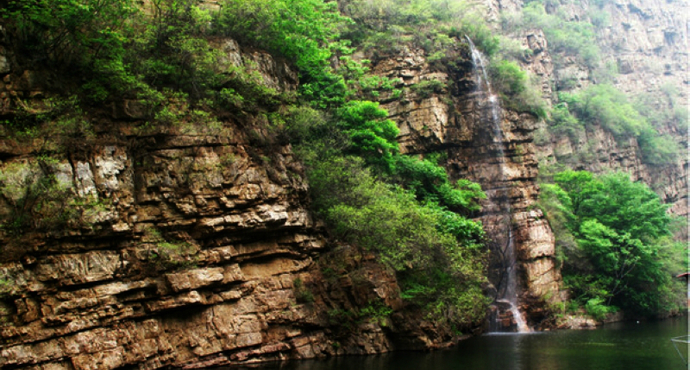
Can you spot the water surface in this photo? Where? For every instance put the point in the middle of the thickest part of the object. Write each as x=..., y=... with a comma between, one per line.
x=621, y=346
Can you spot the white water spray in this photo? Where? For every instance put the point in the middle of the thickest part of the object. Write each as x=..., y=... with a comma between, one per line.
x=483, y=85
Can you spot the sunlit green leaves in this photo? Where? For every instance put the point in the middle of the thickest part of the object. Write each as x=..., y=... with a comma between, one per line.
x=372, y=134
x=621, y=229
x=438, y=254
x=607, y=106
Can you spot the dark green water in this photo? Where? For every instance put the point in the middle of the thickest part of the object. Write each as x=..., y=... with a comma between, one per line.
x=624, y=346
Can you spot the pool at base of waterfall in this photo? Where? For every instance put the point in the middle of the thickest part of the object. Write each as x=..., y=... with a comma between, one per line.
x=620, y=346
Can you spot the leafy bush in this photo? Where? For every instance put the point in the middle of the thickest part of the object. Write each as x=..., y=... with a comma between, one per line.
x=596, y=308
x=569, y=37
x=165, y=254
x=427, y=24
x=371, y=134
x=562, y=122
x=430, y=183
x=302, y=293
x=438, y=254
x=426, y=88
x=620, y=229
x=516, y=87
x=607, y=106
x=305, y=31
x=35, y=198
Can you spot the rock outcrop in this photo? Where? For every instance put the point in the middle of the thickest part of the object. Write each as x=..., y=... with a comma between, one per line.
x=646, y=41
x=451, y=122
x=188, y=246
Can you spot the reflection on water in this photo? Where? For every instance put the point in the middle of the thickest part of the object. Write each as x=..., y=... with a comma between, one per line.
x=621, y=346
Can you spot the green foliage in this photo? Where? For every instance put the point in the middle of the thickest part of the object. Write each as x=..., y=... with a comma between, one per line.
x=426, y=88
x=596, y=308
x=435, y=250
x=304, y=31
x=663, y=110
x=381, y=26
x=165, y=254
x=564, y=36
x=555, y=203
x=376, y=312
x=35, y=198
x=430, y=183
x=517, y=88
x=371, y=134
x=619, y=229
x=69, y=33
x=562, y=122
x=59, y=123
x=6, y=287
x=302, y=293
x=346, y=320
x=605, y=105
x=508, y=77
x=124, y=49
x=300, y=30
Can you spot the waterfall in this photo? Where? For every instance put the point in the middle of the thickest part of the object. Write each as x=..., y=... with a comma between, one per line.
x=500, y=202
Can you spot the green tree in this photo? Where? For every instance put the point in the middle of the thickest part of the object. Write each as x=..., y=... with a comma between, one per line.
x=304, y=31
x=438, y=255
x=371, y=133
x=620, y=228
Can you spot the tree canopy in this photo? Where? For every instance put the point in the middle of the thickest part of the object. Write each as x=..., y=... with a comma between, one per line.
x=621, y=230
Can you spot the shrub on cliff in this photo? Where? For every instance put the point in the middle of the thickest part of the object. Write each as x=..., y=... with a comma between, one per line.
x=564, y=35
x=304, y=31
x=371, y=134
x=607, y=106
x=437, y=254
x=517, y=87
x=427, y=24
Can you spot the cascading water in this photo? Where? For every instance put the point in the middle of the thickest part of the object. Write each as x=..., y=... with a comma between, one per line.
x=500, y=204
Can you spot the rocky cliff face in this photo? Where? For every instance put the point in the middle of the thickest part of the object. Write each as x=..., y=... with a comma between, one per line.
x=646, y=41
x=194, y=246
x=453, y=122
x=190, y=247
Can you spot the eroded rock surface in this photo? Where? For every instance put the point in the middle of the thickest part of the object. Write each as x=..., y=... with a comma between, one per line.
x=191, y=247
x=454, y=121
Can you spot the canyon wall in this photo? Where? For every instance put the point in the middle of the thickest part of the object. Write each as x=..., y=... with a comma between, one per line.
x=646, y=43
x=454, y=122
x=189, y=246
x=194, y=246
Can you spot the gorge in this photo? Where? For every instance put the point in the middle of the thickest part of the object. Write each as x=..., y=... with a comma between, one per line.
x=184, y=233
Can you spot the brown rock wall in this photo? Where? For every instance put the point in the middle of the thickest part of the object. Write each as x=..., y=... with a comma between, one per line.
x=647, y=41
x=189, y=247
x=454, y=121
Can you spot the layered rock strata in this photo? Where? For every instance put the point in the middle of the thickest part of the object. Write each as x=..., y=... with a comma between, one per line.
x=191, y=246
x=452, y=122
x=645, y=42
